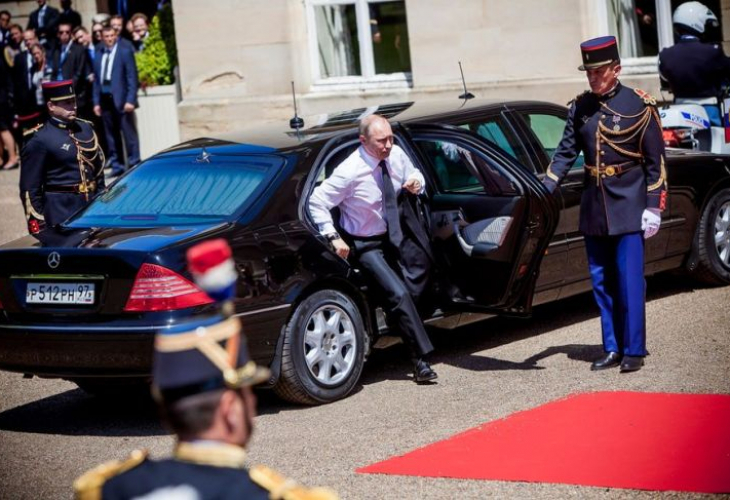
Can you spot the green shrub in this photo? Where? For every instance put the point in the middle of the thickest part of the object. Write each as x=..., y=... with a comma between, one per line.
x=156, y=62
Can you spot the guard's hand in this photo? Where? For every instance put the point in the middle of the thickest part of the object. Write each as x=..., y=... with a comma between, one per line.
x=97, y=110
x=413, y=186
x=651, y=219
x=128, y=107
x=341, y=248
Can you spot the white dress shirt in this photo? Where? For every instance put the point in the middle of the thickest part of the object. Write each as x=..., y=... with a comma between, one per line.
x=354, y=187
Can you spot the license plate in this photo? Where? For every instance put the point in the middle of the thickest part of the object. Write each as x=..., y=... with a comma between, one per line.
x=60, y=293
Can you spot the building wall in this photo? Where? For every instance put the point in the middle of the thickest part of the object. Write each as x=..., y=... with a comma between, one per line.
x=237, y=60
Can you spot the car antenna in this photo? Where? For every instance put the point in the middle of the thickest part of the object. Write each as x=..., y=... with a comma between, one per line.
x=296, y=122
x=466, y=95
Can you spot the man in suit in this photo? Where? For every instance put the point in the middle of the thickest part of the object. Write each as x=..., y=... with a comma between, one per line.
x=44, y=20
x=202, y=379
x=24, y=92
x=68, y=15
x=619, y=131
x=69, y=62
x=364, y=187
x=115, y=99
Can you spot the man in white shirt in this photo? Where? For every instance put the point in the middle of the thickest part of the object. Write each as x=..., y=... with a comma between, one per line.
x=365, y=188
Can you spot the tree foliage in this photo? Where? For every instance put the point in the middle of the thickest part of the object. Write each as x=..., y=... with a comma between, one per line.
x=157, y=61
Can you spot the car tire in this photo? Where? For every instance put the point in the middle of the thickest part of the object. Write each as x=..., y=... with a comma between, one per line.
x=323, y=350
x=713, y=241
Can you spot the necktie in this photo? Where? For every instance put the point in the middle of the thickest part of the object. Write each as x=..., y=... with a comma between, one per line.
x=390, y=207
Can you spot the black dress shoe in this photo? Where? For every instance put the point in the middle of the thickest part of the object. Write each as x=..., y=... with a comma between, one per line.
x=631, y=363
x=610, y=360
x=422, y=372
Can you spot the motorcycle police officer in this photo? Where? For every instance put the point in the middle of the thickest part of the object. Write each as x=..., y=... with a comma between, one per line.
x=201, y=380
x=619, y=132
x=62, y=164
x=692, y=68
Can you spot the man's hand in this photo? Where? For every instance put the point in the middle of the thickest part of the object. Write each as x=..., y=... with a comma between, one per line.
x=97, y=110
x=651, y=219
x=128, y=107
x=413, y=186
x=341, y=248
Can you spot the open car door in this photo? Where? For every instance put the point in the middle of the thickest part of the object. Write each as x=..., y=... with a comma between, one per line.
x=491, y=219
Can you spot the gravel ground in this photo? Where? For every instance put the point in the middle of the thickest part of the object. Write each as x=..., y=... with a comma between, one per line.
x=50, y=431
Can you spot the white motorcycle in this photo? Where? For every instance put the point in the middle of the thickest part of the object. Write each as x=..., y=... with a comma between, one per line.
x=686, y=125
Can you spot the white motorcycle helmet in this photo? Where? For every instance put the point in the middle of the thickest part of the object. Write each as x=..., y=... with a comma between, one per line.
x=695, y=17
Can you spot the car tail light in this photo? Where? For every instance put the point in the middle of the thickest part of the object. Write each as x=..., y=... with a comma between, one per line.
x=675, y=137
x=157, y=288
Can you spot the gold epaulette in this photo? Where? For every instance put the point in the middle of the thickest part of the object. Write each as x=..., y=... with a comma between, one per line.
x=281, y=488
x=648, y=99
x=578, y=97
x=33, y=130
x=89, y=485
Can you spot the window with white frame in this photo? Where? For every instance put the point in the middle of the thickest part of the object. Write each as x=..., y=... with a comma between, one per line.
x=359, y=41
x=644, y=27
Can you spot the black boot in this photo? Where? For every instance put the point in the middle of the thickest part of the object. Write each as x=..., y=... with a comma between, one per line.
x=422, y=371
x=610, y=360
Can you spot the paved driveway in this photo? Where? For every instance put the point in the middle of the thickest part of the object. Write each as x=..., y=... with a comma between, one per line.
x=50, y=432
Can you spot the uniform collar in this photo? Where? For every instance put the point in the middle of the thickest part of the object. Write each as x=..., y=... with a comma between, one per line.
x=212, y=453
x=689, y=38
x=60, y=123
x=611, y=93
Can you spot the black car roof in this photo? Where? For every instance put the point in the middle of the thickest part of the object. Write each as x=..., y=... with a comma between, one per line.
x=279, y=137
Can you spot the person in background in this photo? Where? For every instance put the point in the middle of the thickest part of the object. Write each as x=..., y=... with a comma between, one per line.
x=6, y=121
x=70, y=62
x=140, y=27
x=42, y=72
x=5, y=18
x=44, y=21
x=96, y=30
x=13, y=45
x=25, y=100
x=693, y=68
x=115, y=99
x=68, y=15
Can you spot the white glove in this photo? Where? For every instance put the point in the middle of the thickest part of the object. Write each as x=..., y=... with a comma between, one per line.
x=651, y=219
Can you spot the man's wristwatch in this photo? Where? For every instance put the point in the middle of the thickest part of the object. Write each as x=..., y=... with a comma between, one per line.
x=332, y=236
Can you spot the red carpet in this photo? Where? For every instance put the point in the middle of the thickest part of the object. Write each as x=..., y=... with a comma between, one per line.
x=664, y=442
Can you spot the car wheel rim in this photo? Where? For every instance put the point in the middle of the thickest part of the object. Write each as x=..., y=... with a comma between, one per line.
x=722, y=233
x=330, y=345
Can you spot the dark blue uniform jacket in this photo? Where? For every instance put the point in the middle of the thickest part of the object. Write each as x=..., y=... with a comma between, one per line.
x=694, y=69
x=62, y=167
x=620, y=136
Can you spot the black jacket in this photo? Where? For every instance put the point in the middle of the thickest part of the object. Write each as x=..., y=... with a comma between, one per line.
x=694, y=69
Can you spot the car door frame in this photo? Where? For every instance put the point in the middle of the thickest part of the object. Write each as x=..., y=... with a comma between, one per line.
x=543, y=212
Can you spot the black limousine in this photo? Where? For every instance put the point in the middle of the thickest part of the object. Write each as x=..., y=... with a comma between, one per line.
x=82, y=300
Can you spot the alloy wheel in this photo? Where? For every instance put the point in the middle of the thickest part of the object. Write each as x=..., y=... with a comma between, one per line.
x=330, y=345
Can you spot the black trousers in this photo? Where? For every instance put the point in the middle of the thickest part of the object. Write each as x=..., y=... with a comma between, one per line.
x=119, y=126
x=380, y=259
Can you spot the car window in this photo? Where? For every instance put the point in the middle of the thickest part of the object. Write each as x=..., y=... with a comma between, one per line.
x=179, y=190
x=549, y=131
x=495, y=131
x=458, y=169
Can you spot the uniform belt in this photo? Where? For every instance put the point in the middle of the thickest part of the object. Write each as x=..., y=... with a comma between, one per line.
x=81, y=188
x=611, y=170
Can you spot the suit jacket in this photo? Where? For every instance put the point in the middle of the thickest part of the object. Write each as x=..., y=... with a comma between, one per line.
x=24, y=99
x=416, y=256
x=75, y=67
x=124, y=83
x=50, y=23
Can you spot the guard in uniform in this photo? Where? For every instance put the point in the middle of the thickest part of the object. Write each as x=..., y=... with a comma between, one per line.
x=202, y=378
x=619, y=132
x=62, y=165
